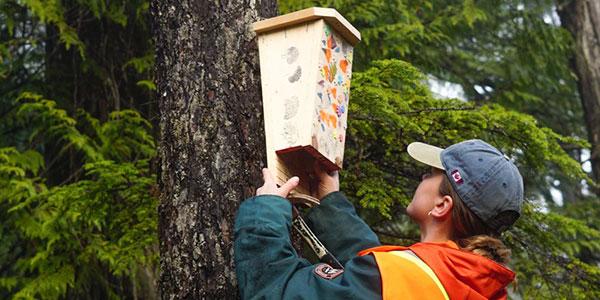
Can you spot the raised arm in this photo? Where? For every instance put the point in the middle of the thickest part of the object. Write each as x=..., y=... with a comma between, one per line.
x=268, y=267
x=339, y=228
x=335, y=221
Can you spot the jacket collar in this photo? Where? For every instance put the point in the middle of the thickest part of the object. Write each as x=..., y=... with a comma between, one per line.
x=463, y=274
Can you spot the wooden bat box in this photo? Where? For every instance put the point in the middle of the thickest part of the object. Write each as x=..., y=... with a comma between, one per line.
x=306, y=67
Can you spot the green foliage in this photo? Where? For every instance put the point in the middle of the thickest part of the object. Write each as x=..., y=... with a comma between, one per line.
x=51, y=12
x=547, y=259
x=77, y=190
x=506, y=52
x=89, y=54
x=511, y=53
x=103, y=221
x=77, y=182
x=143, y=65
x=511, y=59
x=392, y=107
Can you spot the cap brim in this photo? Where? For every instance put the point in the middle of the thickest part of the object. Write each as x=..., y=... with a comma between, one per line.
x=427, y=154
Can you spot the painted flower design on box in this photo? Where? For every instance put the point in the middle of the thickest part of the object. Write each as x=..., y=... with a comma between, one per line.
x=333, y=93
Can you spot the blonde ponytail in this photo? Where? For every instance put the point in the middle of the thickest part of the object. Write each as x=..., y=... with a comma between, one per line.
x=486, y=246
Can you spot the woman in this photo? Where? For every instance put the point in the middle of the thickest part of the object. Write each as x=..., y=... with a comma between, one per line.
x=473, y=193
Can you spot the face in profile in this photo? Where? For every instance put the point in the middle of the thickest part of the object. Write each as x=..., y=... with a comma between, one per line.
x=427, y=192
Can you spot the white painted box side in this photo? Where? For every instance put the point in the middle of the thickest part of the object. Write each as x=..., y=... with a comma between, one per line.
x=286, y=60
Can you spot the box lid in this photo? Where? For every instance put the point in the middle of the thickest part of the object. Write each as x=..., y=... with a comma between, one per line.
x=330, y=15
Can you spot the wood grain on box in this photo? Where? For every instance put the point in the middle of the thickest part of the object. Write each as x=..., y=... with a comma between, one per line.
x=306, y=68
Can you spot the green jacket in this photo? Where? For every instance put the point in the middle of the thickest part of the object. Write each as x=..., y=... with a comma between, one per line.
x=268, y=267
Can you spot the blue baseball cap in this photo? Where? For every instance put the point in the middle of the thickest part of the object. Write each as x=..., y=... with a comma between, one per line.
x=483, y=177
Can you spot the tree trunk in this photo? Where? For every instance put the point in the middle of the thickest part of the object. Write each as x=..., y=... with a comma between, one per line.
x=212, y=138
x=582, y=19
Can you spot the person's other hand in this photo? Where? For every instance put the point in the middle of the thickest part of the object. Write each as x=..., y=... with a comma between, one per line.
x=270, y=186
x=328, y=182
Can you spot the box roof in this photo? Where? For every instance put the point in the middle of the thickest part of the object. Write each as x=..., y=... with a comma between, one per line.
x=330, y=15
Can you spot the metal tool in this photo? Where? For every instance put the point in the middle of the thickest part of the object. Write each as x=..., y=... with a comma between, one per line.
x=313, y=242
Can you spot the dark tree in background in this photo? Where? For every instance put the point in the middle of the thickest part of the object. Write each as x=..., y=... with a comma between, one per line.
x=79, y=117
x=211, y=138
x=582, y=19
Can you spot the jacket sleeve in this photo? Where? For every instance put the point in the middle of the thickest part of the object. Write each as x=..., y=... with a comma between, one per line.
x=268, y=267
x=339, y=228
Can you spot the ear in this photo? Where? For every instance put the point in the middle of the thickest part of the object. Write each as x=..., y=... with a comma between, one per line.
x=443, y=207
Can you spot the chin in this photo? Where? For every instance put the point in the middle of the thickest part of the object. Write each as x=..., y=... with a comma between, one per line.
x=412, y=214
x=409, y=211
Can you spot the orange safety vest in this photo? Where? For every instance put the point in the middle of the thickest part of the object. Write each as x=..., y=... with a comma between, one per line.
x=438, y=271
x=404, y=275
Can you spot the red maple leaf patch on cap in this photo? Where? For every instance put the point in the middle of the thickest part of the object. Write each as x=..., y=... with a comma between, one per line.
x=456, y=176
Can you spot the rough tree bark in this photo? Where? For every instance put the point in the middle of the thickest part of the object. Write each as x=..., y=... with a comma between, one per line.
x=582, y=19
x=212, y=141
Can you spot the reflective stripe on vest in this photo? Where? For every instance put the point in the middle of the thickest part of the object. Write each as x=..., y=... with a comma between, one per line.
x=406, y=276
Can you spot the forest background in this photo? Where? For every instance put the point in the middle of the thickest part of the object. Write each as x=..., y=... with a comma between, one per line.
x=79, y=122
